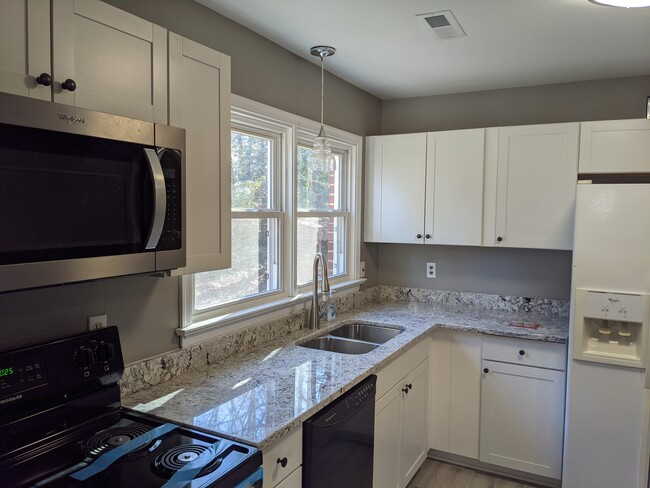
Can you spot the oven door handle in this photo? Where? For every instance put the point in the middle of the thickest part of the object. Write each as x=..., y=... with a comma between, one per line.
x=159, y=198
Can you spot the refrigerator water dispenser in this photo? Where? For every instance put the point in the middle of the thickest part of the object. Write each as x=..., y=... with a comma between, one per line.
x=611, y=327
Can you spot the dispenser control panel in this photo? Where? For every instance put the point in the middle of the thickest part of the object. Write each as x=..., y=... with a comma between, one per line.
x=614, y=306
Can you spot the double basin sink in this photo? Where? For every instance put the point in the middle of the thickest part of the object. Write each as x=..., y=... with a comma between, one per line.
x=355, y=338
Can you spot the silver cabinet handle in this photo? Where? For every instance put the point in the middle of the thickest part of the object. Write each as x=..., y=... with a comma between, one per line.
x=159, y=198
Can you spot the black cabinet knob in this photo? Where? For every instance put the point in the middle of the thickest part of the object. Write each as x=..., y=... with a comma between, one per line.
x=283, y=462
x=427, y=236
x=419, y=236
x=521, y=352
x=499, y=239
x=405, y=390
x=44, y=79
x=69, y=85
x=410, y=386
x=486, y=371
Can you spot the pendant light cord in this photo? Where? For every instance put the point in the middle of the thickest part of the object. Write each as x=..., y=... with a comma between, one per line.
x=322, y=86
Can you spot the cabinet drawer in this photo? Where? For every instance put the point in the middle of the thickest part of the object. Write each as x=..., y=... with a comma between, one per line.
x=289, y=447
x=535, y=353
x=394, y=371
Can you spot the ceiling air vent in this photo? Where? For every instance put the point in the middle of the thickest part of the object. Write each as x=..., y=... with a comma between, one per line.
x=442, y=25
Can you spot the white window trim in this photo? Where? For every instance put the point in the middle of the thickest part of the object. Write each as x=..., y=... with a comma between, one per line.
x=275, y=304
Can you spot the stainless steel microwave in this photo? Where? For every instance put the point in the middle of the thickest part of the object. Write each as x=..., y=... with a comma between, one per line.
x=86, y=195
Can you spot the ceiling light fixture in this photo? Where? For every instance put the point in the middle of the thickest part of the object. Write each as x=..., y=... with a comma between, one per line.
x=321, y=156
x=623, y=3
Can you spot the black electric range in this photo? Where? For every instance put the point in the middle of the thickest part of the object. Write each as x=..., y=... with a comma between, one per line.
x=62, y=425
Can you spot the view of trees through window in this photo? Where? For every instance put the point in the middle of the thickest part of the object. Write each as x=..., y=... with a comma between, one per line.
x=254, y=240
x=257, y=211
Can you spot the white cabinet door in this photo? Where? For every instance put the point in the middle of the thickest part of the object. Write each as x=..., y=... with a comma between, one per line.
x=455, y=392
x=522, y=418
x=294, y=480
x=415, y=415
x=25, y=47
x=536, y=182
x=117, y=61
x=199, y=88
x=395, y=180
x=615, y=146
x=387, y=456
x=454, y=187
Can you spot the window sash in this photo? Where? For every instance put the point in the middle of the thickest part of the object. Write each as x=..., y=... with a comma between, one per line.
x=275, y=271
x=274, y=178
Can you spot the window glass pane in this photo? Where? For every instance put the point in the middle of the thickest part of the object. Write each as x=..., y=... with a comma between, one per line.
x=324, y=235
x=251, y=159
x=254, y=265
x=318, y=190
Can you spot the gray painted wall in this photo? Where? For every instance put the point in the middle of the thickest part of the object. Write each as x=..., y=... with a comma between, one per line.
x=536, y=273
x=146, y=308
x=520, y=272
x=620, y=98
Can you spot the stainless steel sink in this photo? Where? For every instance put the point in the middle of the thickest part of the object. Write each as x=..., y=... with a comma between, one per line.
x=355, y=338
x=366, y=332
x=335, y=344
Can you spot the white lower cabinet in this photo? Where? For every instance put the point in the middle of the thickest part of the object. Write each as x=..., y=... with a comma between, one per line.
x=401, y=419
x=522, y=405
x=522, y=418
x=282, y=462
x=455, y=396
x=498, y=400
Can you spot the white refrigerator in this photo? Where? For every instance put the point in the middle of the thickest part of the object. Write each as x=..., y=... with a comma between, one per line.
x=608, y=404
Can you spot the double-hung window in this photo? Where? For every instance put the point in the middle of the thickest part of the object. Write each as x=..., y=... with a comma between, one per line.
x=285, y=209
x=256, y=223
x=322, y=216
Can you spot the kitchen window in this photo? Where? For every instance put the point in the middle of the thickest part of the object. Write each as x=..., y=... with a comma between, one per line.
x=284, y=211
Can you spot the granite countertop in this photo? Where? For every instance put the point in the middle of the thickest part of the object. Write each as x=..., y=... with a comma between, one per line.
x=258, y=396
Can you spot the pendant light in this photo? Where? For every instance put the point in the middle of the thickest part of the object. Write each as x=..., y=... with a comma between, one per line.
x=321, y=157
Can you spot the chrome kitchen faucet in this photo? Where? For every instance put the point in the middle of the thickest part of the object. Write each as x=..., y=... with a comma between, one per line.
x=314, y=322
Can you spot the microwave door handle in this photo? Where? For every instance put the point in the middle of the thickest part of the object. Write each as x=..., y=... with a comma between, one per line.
x=159, y=198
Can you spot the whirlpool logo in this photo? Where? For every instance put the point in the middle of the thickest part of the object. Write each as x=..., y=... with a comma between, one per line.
x=71, y=119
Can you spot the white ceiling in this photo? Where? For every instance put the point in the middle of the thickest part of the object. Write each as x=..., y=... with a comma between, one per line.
x=382, y=49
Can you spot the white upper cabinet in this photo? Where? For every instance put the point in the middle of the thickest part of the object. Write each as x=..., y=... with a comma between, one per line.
x=199, y=94
x=108, y=60
x=25, y=48
x=615, y=146
x=454, y=188
x=84, y=53
x=425, y=188
x=536, y=185
x=395, y=186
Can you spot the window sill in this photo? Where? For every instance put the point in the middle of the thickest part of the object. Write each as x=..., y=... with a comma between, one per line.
x=227, y=323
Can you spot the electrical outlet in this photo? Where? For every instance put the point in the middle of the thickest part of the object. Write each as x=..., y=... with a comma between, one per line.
x=363, y=269
x=97, y=322
x=431, y=270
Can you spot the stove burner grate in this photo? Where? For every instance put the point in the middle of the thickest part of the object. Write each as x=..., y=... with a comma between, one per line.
x=107, y=440
x=175, y=458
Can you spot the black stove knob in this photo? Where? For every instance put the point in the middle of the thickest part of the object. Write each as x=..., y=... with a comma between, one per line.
x=84, y=358
x=105, y=352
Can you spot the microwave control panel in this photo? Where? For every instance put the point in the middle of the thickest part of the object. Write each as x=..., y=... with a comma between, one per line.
x=171, y=237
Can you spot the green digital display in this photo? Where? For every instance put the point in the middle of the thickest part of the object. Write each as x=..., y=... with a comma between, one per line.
x=6, y=372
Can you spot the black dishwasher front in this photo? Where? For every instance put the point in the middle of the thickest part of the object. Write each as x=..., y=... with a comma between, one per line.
x=338, y=442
